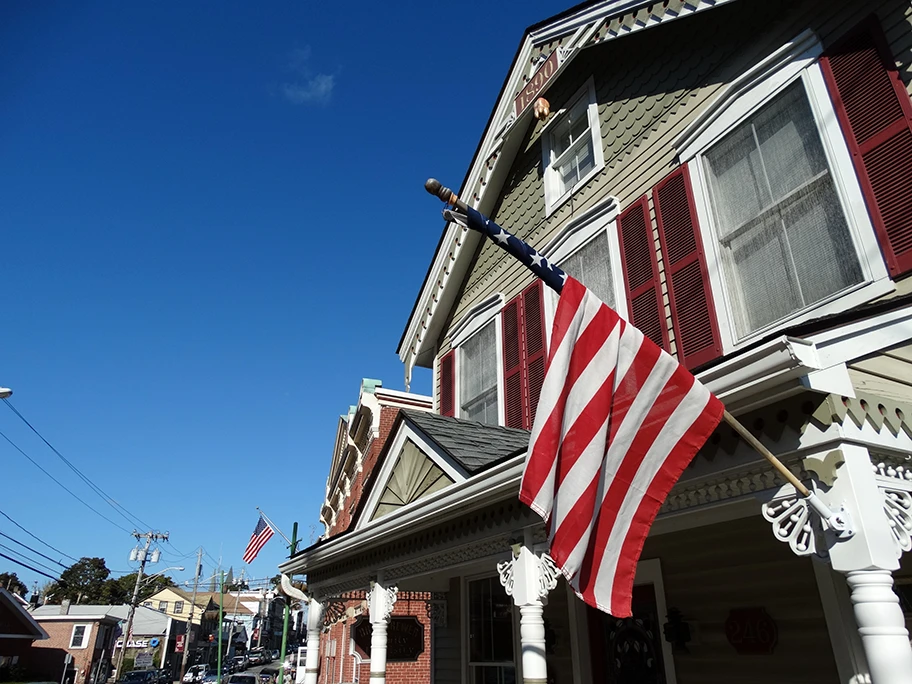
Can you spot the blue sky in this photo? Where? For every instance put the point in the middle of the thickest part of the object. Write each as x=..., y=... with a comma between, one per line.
x=213, y=227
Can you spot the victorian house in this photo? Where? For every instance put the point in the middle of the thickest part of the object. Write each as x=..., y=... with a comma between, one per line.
x=732, y=176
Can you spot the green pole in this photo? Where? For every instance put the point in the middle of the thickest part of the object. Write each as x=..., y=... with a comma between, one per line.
x=293, y=548
x=221, y=608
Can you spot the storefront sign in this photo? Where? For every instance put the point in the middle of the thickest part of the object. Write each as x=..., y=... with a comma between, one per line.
x=751, y=631
x=404, y=635
x=179, y=644
x=143, y=660
x=138, y=643
x=536, y=84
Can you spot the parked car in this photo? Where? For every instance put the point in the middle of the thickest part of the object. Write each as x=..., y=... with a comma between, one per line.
x=267, y=674
x=163, y=676
x=211, y=678
x=196, y=673
x=255, y=658
x=276, y=655
x=241, y=662
x=243, y=679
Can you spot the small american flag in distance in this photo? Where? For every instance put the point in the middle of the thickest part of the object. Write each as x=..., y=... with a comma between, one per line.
x=262, y=533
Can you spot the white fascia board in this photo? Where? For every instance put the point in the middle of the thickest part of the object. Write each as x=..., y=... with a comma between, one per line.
x=496, y=484
x=847, y=343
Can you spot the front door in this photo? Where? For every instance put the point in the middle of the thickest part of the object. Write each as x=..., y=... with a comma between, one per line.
x=628, y=650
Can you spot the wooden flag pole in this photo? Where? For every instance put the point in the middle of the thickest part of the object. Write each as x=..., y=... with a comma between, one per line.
x=837, y=520
x=745, y=434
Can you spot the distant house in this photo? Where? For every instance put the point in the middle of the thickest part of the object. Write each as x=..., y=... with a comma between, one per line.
x=84, y=633
x=18, y=631
x=153, y=633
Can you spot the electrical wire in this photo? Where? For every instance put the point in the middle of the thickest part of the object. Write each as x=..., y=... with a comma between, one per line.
x=13, y=560
x=63, y=486
x=15, y=541
x=132, y=519
x=35, y=537
x=30, y=560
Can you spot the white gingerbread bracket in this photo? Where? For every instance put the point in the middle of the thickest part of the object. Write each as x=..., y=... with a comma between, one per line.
x=527, y=577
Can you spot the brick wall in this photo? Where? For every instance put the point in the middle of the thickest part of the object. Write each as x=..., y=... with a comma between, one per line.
x=46, y=657
x=344, y=516
x=340, y=668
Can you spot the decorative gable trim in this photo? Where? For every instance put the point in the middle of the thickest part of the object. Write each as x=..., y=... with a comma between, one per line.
x=573, y=32
x=406, y=433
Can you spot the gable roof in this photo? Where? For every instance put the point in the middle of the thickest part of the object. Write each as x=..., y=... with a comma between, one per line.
x=567, y=34
x=13, y=615
x=463, y=448
x=474, y=446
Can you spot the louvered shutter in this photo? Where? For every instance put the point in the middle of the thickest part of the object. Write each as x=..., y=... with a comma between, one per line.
x=693, y=316
x=533, y=319
x=875, y=113
x=511, y=318
x=448, y=384
x=641, y=273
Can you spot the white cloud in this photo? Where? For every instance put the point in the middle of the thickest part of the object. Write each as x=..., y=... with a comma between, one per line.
x=315, y=90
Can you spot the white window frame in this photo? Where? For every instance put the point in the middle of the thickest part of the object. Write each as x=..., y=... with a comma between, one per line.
x=85, y=637
x=796, y=60
x=468, y=664
x=162, y=606
x=469, y=325
x=178, y=607
x=552, y=199
x=575, y=235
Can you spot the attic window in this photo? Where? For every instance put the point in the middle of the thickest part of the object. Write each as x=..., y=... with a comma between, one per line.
x=571, y=147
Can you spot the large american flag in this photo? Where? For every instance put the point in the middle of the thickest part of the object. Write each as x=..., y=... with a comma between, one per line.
x=617, y=422
x=262, y=533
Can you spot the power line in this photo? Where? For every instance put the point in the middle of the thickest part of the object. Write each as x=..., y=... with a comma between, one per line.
x=35, y=537
x=35, y=463
x=13, y=560
x=30, y=560
x=15, y=541
x=108, y=499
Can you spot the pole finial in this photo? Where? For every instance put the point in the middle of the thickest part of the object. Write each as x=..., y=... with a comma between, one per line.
x=434, y=187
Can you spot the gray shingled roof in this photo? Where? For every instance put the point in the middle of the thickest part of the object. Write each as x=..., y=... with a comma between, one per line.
x=475, y=446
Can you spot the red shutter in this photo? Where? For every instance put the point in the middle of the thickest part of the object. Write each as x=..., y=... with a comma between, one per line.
x=641, y=272
x=534, y=352
x=692, y=314
x=875, y=113
x=448, y=384
x=512, y=363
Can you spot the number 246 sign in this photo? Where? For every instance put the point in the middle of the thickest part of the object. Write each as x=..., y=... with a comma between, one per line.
x=751, y=631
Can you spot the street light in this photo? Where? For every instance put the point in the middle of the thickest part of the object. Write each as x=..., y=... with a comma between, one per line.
x=5, y=392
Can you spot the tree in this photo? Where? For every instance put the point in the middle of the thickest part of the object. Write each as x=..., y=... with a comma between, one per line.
x=83, y=582
x=120, y=589
x=11, y=582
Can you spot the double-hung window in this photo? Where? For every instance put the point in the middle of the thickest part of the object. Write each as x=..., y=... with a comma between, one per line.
x=178, y=607
x=587, y=249
x=163, y=606
x=571, y=147
x=781, y=208
x=80, y=636
x=478, y=376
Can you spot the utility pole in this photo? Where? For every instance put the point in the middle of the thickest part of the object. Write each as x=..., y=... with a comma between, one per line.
x=237, y=600
x=293, y=547
x=187, y=632
x=221, y=615
x=143, y=556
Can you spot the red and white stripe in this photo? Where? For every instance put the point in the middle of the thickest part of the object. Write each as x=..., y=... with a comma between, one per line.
x=261, y=534
x=617, y=422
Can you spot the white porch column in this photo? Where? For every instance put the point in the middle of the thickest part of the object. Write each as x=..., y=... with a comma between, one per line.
x=314, y=627
x=381, y=601
x=881, y=626
x=528, y=579
x=879, y=506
